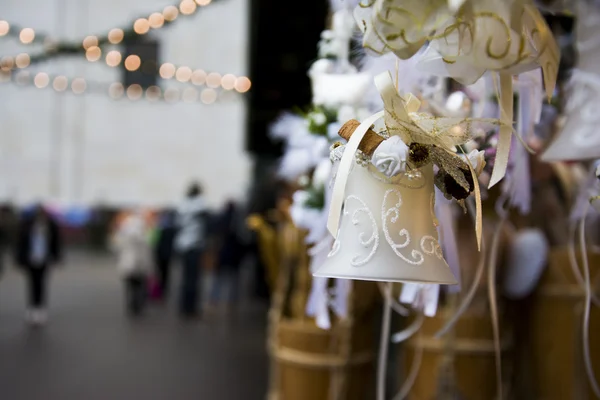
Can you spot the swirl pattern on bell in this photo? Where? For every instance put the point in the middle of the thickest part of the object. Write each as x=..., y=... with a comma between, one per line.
x=387, y=232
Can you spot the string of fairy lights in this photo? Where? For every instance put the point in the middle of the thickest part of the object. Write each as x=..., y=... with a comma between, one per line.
x=12, y=68
x=115, y=90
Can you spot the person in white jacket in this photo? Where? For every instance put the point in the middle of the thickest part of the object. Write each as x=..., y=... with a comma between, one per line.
x=131, y=243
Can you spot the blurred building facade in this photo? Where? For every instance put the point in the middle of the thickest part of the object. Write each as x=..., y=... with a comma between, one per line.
x=89, y=148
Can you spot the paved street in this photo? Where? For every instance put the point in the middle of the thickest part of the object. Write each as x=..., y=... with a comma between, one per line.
x=90, y=350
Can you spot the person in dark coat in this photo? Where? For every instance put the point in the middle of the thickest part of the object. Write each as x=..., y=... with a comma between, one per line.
x=38, y=247
x=230, y=256
x=163, y=250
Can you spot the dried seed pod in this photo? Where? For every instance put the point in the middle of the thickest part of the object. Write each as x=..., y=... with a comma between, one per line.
x=418, y=154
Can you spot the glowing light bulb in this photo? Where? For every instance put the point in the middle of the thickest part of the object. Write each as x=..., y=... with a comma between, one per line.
x=116, y=90
x=198, y=77
x=208, y=96
x=93, y=53
x=60, y=83
x=213, y=80
x=203, y=2
x=4, y=28
x=78, y=85
x=153, y=93
x=132, y=62
x=41, y=80
x=27, y=35
x=134, y=92
x=183, y=74
x=228, y=81
x=7, y=63
x=90, y=41
x=187, y=7
x=115, y=36
x=141, y=26
x=167, y=71
x=113, y=58
x=22, y=60
x=242, y=84
x=157, y=20
x=170, y=13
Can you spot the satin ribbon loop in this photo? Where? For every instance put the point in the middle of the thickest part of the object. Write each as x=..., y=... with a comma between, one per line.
x=343, y=172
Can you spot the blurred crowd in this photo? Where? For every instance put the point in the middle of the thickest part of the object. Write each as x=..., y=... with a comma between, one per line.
x=160, y=255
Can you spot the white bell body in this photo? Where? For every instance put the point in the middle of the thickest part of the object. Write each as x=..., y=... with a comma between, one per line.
x=387, y=231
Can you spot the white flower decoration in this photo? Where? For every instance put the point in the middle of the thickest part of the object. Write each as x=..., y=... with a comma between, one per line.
x=322, y=173
x=318, y=118
x=390, y=157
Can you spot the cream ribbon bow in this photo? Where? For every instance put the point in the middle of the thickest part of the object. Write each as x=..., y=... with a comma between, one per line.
x=402, y=119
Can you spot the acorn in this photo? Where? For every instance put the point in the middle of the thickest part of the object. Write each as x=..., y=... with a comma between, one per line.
x=418, y=154
x=454, y=189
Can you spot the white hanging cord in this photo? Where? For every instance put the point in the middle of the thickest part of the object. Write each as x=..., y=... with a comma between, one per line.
x=466, y=301
x=412, y=375
x=575, y=265
x=396, y=306
x=588, y=302
x=494, y=303
x=410, y=330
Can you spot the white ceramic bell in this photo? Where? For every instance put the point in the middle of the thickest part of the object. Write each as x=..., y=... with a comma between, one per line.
x=387, y=230
x=578, y=138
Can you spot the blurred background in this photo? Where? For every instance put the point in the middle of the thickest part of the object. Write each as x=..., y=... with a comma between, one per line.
x=110, y=111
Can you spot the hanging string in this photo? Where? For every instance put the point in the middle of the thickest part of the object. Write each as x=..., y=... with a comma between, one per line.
x=494, y=302
x=571, y=250
x=588, y=302
x=396, y=306
x=410, y=330
x=412, y=375
x=384, y=341
x=466, y=302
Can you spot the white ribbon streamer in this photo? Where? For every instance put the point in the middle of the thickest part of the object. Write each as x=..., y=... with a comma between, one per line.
x=339, y=187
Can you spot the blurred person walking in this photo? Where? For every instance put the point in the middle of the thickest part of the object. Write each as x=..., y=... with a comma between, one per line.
x=190, y=242
x=131, y=242
x=230, y=254
x=38, y=247
x=163, y=249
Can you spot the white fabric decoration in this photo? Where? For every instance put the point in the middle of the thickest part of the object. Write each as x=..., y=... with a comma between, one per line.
x=527, y=258
x=390, y=156
x=423, y=297
x=477, y=160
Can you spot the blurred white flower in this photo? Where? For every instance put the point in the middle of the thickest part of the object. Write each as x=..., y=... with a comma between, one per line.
x=390, y=157
x=318, y=118
x=345, y=113
x=303, y=217
x=322, y=173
